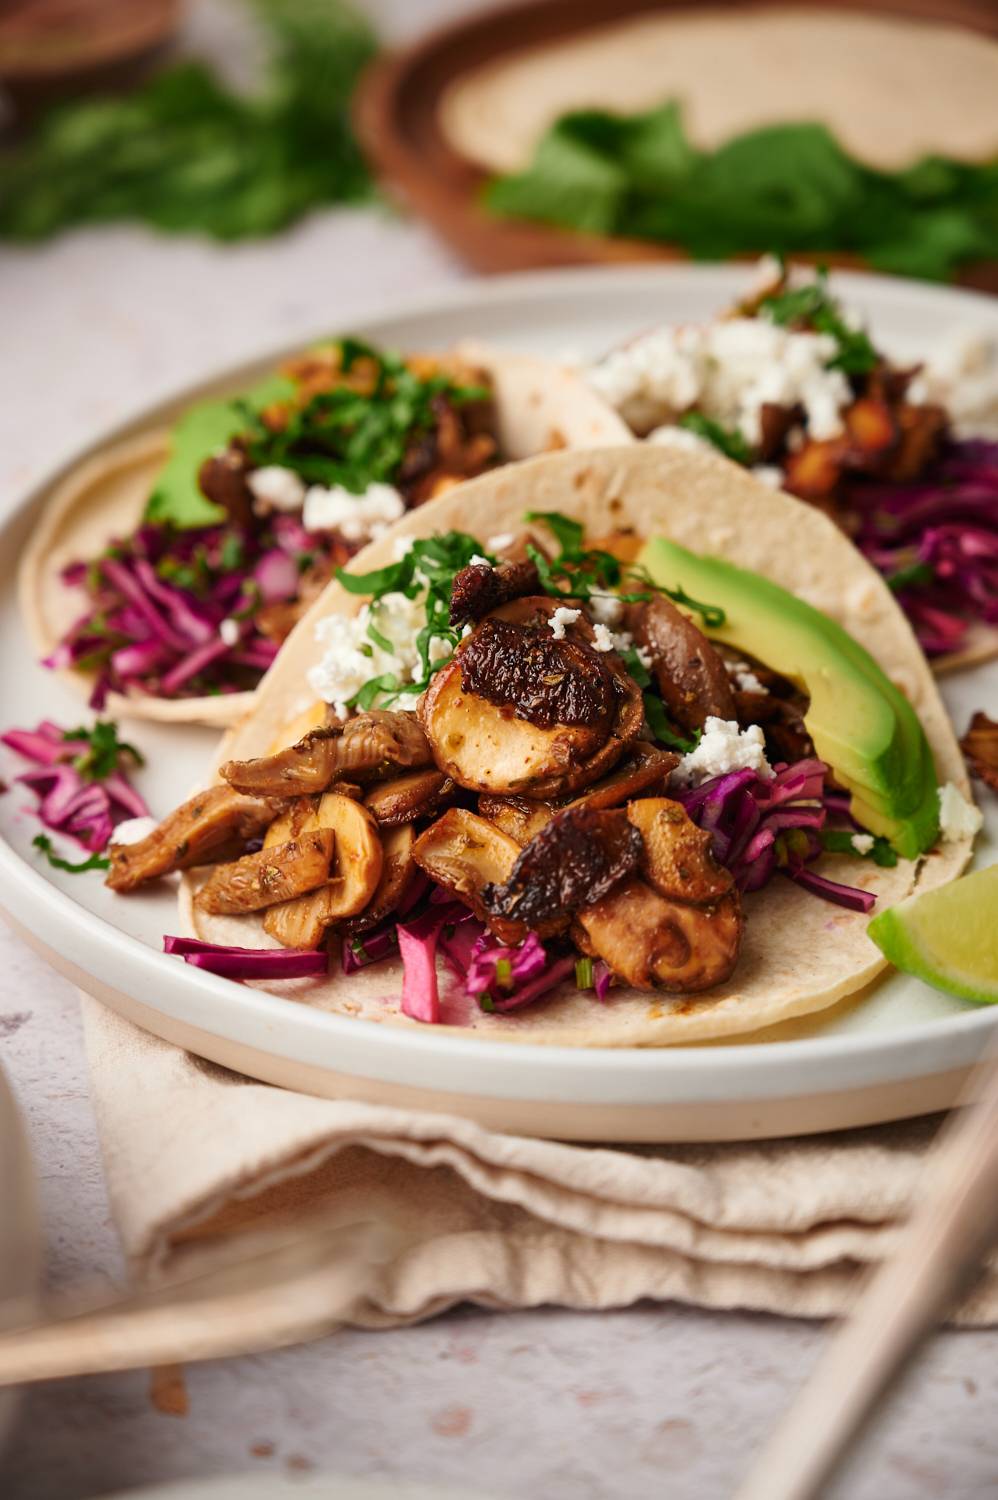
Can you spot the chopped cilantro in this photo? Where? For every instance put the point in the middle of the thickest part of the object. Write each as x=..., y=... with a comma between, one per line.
x=660, y=727
x=95, y=862
x=913, y=576
x=812, y=306
x=105, y=751
x=725, y=439
x=840, y=841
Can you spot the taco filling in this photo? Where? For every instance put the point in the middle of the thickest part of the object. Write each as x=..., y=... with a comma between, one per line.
x=791, y=386
x=543, y=762
x=262, y=498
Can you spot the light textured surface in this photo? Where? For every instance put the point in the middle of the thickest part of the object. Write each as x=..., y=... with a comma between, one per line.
x=643, y=1403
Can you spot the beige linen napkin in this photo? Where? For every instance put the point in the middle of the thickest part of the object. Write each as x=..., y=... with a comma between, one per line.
x=197, y=1156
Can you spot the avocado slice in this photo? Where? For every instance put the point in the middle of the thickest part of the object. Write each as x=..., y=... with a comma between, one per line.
x=861, y=724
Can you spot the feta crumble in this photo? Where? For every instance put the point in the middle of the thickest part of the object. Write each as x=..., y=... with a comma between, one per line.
x=357, y=518
x=862, y=842
x=743, y=677
x=229, y=631
x=962, y=375
x=500, y=541
x=958, y=818
x=769, y=474
x=560, y=619
x=477, y=560
x=605, y=609
x=727, y=370
x=724, y=746
x=350, y=658
x=602, y=637
x=276, y=488
x=134, y=830
x=671, y=436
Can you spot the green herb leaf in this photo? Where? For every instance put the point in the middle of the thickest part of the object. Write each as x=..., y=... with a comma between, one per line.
x=915, y=576
x=813, y=307
x=840, y=841
x=95, y=862
x=105, y=751
x=725, y=439
x=660, y=727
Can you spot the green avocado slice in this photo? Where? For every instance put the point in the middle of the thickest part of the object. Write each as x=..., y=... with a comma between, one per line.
x=861, y=724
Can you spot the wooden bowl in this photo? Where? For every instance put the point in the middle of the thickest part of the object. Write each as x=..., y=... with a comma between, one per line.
x=396, y=118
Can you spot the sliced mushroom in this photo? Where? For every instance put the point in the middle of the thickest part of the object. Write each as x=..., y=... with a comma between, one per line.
x=644, y=768
x=464, y=854
x=518, y=817
x=517, y=711
x=420, y=794
x=652, y=942
x=279, y=873
x=678, y=858
x=397, y=870
x=354, y=876
x=689, y=673
x=371, y=742
x=575, y=860
x=480, y=588
x=317, y=716
x=209, y=826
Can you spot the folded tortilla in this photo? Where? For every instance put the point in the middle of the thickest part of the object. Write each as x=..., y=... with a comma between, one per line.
x=539, y=405
x=800, y=954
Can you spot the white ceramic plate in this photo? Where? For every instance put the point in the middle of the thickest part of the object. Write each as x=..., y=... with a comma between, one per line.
x=899, y=1049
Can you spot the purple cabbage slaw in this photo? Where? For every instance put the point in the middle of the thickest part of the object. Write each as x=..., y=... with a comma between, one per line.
x=935, y=540
x=86, y=810
x=157, y=601
x=762, y=827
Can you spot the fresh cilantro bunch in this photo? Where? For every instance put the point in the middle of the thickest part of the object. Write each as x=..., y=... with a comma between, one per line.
x=782, y=187
x=355, y=438
x=187, y=154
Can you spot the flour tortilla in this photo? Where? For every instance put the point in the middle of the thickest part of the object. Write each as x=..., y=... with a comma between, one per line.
x=539, y=405
x=891, y=89
x=800, y=954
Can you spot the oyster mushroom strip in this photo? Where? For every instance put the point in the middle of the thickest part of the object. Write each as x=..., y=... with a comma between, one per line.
x=678, y=924
x=480, y=588
x=372, y=742
x=421, y=794
x=517, y=710
x=268, y=876
x=353, y=875
x=212, y=825
x=465, y=854
x=646, y=768
x=690, y=675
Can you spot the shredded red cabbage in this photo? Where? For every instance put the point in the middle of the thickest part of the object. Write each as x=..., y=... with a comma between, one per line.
x=248, y=963
x=68, y=802
x=158, y=599
x=759, y=827
x=936, y=542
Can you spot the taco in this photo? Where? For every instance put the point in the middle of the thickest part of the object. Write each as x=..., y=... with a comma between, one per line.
x=594, y=736
x=790, y=384
x=167, y=570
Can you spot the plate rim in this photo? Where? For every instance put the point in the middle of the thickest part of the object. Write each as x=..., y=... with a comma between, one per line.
x=606, y=1074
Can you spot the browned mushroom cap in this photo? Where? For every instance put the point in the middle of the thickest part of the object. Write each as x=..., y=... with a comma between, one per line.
x=209, y=826
x=222, y=478
x=397, y=870
x=353, y=879
x=369, y=743
x=269, y=876
x=421, y=794
x=518, y=817
x=479, y=588
x=464, y=854
x=678, y=858
x=575, y=860
x=652, y=942
x=517, y=711
x=689, y=673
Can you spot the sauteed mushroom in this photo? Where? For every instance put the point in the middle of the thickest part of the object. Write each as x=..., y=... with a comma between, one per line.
x=479, y=588
x=575, y=860
x=690, y=675
x=269, y=876
x=369, y=742
x=405, y=798
x=397, y=870
x=355, y=873
x=212, y=825
x=521, y=711
x=644, y=768
x=464, y=854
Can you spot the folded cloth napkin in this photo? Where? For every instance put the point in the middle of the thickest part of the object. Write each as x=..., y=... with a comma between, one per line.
x=198, y=1157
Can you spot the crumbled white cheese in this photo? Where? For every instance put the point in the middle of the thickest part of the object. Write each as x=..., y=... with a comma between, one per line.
x=958, y=818
x=602, y=637
x=724, y=746
x=357, y=518
x=769, y=474
x=560, y=619
x=402, y=546
x=478, y=560
x=275, y=488
x=134, y=830
x=671, y=436
x=229, y=631
x=743, y=677
x=862, y=842
x=727, y=370
x=605, y=609
x=500, y=541
x=350, y=658
x=962, y=375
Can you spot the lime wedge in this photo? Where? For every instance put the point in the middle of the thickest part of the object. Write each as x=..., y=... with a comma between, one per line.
x=947, y=937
